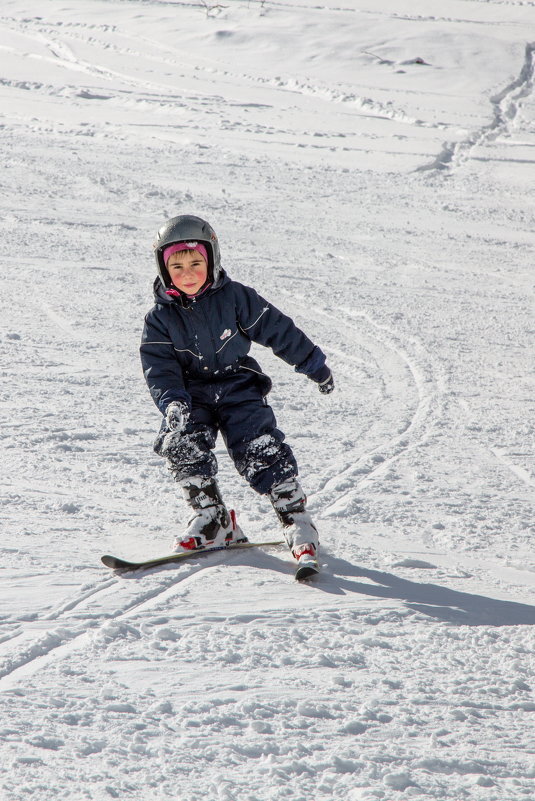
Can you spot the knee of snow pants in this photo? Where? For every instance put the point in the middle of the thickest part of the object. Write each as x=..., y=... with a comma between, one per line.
x=188, y=454
x=265, y=462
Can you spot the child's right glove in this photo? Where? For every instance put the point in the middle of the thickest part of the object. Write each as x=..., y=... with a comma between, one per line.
x=177, y=416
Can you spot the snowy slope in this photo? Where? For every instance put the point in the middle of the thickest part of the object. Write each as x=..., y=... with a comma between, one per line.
x=369, y=168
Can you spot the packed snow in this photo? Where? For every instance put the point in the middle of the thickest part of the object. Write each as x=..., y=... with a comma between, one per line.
x=368, y=167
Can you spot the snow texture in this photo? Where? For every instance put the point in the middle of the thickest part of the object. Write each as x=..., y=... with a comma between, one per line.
x=368, y=167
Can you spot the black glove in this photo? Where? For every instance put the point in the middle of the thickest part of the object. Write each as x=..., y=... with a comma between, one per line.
x=324, y=379
x=177, y=416
x=327, y=386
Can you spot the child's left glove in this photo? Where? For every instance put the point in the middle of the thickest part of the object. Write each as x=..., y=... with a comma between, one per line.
x=324, y=380
x=327, y=386
x=177, y=416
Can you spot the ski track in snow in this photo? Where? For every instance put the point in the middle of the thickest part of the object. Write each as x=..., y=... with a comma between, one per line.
x=505, y=105
x=360, y=328
x=415, y=429
x=308, y=136
x=56, y=643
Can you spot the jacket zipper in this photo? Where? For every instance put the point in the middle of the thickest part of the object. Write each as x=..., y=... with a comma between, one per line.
x=212, y=339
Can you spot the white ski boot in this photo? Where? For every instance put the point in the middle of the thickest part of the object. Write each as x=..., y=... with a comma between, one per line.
x=289, y=502
x=212, y=525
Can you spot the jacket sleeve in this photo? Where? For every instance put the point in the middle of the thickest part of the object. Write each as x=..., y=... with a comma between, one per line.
x=161, y=368
x=267, y=325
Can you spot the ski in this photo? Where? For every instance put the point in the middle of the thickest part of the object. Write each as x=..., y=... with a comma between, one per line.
x=307, y=571
x=116, y=563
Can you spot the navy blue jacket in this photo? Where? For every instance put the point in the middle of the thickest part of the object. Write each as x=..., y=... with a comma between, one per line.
x=208, y=339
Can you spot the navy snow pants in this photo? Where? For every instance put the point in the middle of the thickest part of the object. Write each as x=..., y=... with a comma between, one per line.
x=237, y=408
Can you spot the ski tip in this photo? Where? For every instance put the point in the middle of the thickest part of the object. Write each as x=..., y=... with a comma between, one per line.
x=114, y=562
x=306, y=572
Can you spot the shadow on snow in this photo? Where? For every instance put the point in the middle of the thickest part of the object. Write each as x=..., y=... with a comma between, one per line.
x=440, y=603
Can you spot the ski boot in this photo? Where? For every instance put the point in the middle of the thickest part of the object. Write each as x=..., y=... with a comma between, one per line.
x=212, y=525
x=289, y=502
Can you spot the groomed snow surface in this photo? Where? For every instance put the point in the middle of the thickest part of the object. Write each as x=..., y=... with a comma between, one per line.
x=368, y=166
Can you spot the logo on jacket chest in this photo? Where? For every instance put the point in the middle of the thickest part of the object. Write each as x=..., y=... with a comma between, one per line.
x=226, y=334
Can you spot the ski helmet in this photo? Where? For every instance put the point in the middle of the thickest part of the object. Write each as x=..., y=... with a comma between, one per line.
x=187, y=228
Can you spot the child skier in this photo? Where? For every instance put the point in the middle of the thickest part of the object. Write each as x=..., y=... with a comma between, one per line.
x=195, y=359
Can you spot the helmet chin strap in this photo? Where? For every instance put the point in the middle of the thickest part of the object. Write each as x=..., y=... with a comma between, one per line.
x=177, y=293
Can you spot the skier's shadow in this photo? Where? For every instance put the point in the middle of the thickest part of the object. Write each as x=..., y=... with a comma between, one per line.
x=438, y=602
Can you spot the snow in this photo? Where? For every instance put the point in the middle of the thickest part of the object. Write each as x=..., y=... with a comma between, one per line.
x=368, y=168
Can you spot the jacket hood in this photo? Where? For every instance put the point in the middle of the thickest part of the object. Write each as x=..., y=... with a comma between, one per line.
x=161, y=296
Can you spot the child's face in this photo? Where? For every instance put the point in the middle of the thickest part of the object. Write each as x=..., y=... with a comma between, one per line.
x=188, y=271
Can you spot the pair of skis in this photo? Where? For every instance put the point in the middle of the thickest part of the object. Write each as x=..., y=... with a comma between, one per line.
x=303, y=572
